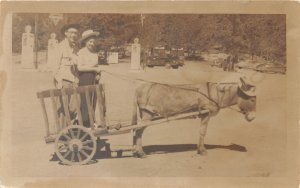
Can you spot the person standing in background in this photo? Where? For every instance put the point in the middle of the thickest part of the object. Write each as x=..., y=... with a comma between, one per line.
x=235, y=60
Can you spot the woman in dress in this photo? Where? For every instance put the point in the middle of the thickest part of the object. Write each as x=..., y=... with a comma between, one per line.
x=89, y=72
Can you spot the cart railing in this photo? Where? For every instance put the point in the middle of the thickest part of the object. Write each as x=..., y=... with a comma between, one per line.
x=58, y=96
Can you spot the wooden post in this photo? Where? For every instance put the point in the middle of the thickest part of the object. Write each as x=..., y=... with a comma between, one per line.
x=104, y=99
x=218, y=95
x=100, y=102
x=66, y=106
x=45, y=116
x=54, y=107
x=90, y=109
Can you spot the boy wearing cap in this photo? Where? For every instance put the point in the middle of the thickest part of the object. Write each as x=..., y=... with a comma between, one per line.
x=66, y=59
x=64, y=68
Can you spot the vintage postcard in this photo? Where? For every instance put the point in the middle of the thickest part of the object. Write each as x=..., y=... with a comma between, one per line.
x=149, y=94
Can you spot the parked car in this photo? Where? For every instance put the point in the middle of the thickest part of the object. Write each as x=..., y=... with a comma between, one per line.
x=247, y=64
x=120, y=50
x=194, y=58
x=102, y=54
x=194, y=55
x=218, y=62
x=121, y=54
x=271, y=68
x=168, y=61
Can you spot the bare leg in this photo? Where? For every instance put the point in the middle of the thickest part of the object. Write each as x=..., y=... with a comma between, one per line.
x=202, y=132
x=137, y=138
x=139, y=147
x=135, y=111
x=134, y=141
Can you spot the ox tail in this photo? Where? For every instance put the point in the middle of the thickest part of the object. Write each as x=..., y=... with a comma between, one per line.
x=134, y=118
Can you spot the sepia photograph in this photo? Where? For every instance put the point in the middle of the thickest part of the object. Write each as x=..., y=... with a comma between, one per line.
x=146, y=95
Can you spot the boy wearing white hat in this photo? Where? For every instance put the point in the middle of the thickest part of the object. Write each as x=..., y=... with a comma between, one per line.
x=87, y=56
x=89, y=72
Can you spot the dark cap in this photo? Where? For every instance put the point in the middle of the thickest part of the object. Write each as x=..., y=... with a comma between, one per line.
x=68, y=26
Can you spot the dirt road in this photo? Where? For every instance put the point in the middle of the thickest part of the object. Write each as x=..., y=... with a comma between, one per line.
x=236, y=148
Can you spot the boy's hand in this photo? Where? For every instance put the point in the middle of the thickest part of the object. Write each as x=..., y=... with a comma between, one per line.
x=58, y=83
x=98, y=77
x=98, y=70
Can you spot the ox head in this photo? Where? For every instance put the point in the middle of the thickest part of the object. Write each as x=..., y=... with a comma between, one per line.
x=247, y=99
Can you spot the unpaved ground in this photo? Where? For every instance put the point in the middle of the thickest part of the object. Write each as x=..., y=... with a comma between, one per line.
x=236, y=148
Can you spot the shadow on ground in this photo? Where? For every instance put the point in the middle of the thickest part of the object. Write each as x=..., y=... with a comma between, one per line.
x=156, y=149
x=104, y=153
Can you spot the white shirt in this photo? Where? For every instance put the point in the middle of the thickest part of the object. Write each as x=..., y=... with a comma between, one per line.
x=87, y=58
x=64, y=62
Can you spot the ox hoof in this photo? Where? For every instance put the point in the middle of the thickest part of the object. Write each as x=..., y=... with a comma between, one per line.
x=202, y=151
x=139, y=155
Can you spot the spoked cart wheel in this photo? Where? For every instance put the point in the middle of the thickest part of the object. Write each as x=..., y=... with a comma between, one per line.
x=75, y=145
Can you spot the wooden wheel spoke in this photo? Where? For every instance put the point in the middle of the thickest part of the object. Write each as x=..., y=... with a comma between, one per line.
x=66, y=136
x=75, y=145
x=84, y=136
x=72, y=156
x=71, y=133
x=87, y=142
x=78, y=133
x=63, y=142
x=62, y=147
x=84, y=153
x=79, y=156
x=87, y=148
x=67, y=153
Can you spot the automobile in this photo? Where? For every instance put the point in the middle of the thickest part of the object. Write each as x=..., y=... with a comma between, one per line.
x=177, y=52
x=217, y=62
x=121, y=54
x=119, y=50
x=247, y=64
x=271, y=68
x=167, y=61
x=102, y=54
x=193, y=57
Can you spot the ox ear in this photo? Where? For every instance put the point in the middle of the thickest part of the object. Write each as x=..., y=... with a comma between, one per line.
x=245, y=82
x=247, y=87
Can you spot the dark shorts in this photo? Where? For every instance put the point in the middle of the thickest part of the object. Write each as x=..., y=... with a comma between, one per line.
x=87, y=78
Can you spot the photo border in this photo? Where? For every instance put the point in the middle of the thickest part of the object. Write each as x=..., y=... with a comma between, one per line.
x=291, y=9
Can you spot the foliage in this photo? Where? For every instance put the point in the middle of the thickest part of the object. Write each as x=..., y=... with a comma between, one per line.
x=257, y=35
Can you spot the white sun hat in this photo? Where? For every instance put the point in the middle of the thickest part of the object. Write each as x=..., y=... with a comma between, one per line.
x=87, y=34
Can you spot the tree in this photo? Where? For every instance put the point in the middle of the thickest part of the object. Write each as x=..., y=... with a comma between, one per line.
x=257, y=35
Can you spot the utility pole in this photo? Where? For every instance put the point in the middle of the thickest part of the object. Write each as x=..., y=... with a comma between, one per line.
x=143, y=53
x=36, y=40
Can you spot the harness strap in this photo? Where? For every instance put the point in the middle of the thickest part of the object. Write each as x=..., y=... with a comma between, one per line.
x=180, y=86
x=148, y=93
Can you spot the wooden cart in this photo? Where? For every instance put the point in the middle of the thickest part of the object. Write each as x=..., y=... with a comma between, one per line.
x=75, y=144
